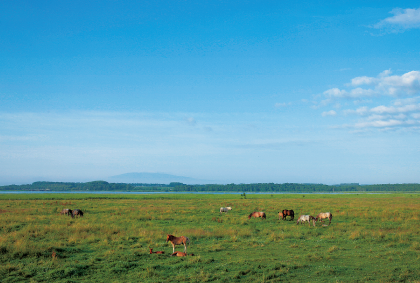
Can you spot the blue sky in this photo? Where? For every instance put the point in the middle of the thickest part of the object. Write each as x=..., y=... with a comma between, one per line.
x=227, y=91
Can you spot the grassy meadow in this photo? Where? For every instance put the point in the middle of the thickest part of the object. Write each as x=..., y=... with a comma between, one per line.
x=372, y=237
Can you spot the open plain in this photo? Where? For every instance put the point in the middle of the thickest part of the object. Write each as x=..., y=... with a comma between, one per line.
x=372, y=237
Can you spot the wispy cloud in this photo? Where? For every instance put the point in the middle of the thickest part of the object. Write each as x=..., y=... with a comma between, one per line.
x=329, y=113
x=403, y=19
x=282, y=104
x=277, y=145
x=191, y=121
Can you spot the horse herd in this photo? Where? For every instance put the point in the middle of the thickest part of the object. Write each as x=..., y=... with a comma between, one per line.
x=285, y=212
x=256, y=214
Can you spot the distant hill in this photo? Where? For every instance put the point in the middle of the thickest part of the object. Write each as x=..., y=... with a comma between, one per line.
x=153, y=178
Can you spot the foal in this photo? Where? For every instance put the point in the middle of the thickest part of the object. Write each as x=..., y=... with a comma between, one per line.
x=158, y=252
x=181, y=254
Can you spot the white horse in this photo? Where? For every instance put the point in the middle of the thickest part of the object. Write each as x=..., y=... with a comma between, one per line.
x=306, y=218
x=225, y=209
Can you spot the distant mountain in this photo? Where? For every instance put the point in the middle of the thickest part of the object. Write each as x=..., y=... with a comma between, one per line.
x=153, y=178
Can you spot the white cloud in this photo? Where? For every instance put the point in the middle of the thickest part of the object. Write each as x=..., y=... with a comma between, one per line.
x=404, y=113
x=335, y=93
x=391, y=110
x=329, y=113
x=383, y=85
x=361, y=81
x=379, y=124
x=402, y=19
x=360, y=92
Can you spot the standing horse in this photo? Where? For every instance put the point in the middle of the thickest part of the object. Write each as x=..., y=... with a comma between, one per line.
x=178, y=241
x=77, y=212
x=257, y=214
x=284, y=213
x=66, y=211
x=225, y=209
x=324, y=215
x=304, y=218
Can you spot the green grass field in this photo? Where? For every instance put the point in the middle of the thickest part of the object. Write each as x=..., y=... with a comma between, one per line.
x=372, y=237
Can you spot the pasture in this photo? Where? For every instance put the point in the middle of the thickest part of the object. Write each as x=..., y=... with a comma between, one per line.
x=372, y=237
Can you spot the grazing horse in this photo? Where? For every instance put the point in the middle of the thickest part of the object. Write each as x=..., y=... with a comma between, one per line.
x=77, y=212
x=284, y=213
x=257, y=214
x=178, y=241
x=158, y=252
x=66, y=211
x=304, y=218
x=225, y=209
x=324, y=215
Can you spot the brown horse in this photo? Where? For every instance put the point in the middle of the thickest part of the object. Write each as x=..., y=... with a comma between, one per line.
x=257, y=214
x=158, y=252
x=181, y=254
x=284, y=213
x=77, y=212
x=324, y=215
x=178, y=241
x=66, y=211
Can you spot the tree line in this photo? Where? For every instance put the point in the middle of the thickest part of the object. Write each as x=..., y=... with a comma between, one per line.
x=180, y=187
